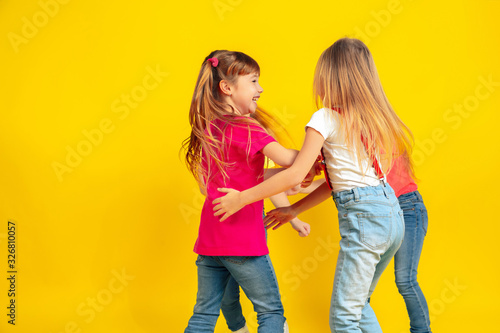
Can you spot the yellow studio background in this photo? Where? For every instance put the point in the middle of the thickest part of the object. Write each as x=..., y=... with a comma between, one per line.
x=94, y=104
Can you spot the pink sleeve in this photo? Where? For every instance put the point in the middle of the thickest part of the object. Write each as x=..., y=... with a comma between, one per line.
x=251, y=138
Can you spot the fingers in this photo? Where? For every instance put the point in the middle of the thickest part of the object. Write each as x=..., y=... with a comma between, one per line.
x=225, y=217
x=307, y=229
x=317, y=165
x=279, y=225
x=305, y=184
x=318, y=169
x=304, y=232
x=218, y=209
x=270, y=220
x=272, y=224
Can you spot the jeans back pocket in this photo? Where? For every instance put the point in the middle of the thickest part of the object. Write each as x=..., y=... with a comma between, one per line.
x=375, y=229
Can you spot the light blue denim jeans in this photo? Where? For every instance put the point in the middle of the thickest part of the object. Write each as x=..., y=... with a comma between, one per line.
x=372, y=228
x=407, y=258
x=256, y=277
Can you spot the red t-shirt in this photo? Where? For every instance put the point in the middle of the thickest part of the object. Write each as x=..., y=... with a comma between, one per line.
x=399, y=179
x=242, y=234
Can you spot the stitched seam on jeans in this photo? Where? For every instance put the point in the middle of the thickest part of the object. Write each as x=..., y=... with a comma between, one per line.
x=416, y=282
x=335, y=290
x=422, y=220
x=378, y=202
x=237, y=262
x=270, y=266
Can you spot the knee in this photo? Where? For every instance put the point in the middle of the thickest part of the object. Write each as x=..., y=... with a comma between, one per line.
x=230, y=302
x=343, y=319
x=406, y=285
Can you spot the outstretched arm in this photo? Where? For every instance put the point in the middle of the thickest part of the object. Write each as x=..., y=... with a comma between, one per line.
x=277, y=217
x=305, y=190
x=234, y=200
x=281, y=200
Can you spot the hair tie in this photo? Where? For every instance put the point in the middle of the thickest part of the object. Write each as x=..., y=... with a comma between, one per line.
x=214, y=61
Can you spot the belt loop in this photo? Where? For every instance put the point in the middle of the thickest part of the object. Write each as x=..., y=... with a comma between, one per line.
x=356, y=194
x=384, y=181
x=384, y=188
x=335, y=199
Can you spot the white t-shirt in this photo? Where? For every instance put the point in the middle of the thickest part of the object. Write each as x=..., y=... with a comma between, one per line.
x=342, y=165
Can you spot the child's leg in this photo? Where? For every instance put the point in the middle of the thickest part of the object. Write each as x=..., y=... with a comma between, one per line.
x=369, y=229
x=353, y=275
x=231, y=307
x=369, y=322
x=256, y=277
x=212, y=280
x=407, y=258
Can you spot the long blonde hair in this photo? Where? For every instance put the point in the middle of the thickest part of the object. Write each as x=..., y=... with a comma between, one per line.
x=346, y=79
x=207, y=105
x=272, y=126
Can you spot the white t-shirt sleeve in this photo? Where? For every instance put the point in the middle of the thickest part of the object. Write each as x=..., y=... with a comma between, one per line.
x=322, y=121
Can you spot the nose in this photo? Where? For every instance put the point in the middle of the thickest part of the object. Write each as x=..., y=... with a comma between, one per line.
x=259, y=89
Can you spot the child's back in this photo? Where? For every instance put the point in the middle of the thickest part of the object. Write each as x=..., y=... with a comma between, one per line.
x=242, y=234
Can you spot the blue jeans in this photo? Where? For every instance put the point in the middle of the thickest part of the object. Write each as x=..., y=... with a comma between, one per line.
x=407, y=258
x=372, y=228
x=231, y=306
x=256, y=277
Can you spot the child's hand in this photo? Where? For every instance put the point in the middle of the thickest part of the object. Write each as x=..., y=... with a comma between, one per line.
x=228, y=204
x=309, y=178
x=278, y=217
x=315, y=171
x=302, y=227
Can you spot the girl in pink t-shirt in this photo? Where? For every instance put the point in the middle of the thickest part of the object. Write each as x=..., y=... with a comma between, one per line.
x=227, y=148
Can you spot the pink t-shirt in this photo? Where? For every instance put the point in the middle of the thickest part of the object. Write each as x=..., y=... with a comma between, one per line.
x=399, y=179
x=242, y=234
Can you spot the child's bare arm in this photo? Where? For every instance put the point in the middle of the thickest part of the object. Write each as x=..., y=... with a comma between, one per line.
x=304, y=163
x=279, y=216
x=281, y=200
x=306, y=190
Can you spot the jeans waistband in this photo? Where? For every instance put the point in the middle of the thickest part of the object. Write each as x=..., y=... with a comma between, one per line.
x=411, y=196
x=359, y=192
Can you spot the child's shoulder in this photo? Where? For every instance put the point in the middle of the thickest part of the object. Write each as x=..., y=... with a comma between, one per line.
x=327, y=112
x=327, y=115
x=236, y=126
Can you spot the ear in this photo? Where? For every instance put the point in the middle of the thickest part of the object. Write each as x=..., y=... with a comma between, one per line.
x=225, y=87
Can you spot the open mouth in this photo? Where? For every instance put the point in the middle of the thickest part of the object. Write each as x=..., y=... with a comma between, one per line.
x=255, y=99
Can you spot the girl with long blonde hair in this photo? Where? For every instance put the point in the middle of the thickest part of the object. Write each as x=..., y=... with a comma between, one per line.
x=359, y=135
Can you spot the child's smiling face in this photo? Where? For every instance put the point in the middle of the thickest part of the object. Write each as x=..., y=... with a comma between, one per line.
x=245, y=93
